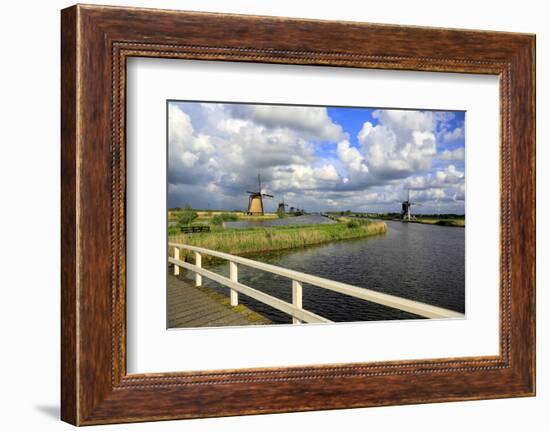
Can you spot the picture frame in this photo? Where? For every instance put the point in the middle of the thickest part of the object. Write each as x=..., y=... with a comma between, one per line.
x=96, y=41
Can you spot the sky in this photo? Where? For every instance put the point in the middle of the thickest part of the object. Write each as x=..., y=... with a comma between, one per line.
x=315, y=158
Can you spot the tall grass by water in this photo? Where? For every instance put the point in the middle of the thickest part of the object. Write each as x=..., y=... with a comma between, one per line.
x=254, y=240
x=442, y=222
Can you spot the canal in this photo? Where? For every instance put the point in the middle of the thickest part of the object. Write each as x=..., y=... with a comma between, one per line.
x=416, y=261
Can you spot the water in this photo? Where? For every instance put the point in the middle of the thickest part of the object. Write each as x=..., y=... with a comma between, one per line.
x=289, y=221
x=415, y=261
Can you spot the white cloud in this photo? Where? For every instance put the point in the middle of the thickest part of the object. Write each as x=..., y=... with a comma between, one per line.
x=229, y=150
x=457, y=154
x=303, y=177
x=294, y=177
x=401, y=144
x=434, y=194
x=441, y=178
x=445, y=185
x=313, y=122
x=180, y=129
x=351, y=158
x=460, y=193
x=189, y=159
x=326, y=173
x=449, y=176
x=189, y=152
x=217, y=150
x=454, y=135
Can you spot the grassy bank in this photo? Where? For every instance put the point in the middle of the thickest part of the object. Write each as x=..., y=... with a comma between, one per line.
x=254, y=240
x=441, y=222
x=450, y=220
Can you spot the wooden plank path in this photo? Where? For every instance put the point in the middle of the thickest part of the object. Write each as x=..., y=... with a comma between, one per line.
x=194, y=307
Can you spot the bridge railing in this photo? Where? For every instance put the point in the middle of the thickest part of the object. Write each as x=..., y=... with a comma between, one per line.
x=297, y=278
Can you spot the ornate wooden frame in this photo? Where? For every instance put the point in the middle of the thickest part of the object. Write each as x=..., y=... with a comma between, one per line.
x=96, y=41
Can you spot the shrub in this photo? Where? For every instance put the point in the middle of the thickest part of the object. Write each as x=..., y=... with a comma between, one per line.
x=187, y=216
x=216, y=220
x=281, y=213
x=173, y=230
x=353, y=224
x=229, y=217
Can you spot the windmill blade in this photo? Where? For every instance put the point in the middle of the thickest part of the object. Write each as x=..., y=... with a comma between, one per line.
x=259, y=184
x=252, y=193
x=266, y=195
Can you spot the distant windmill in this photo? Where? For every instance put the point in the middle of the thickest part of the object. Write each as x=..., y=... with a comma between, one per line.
x=281, y=207
x=406, y=207
x=255, y=200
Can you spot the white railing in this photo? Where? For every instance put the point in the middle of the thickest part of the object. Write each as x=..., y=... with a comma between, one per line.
x=295, y=309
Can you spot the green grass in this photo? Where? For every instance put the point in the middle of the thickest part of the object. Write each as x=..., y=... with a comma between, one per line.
x=254, y=240
x=218, y=219
x=207, y=216
x=458, y=222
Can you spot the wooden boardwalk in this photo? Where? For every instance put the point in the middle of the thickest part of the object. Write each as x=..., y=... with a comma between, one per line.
x=195, y=307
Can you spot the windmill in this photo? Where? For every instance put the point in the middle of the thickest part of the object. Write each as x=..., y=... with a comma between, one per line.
x=406, y=207
x=255, y=200
x=281, y=206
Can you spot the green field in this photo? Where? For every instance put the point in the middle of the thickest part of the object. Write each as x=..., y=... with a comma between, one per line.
x=254, y=240
x=450, y=220
x=207, y=216
x=458, y=222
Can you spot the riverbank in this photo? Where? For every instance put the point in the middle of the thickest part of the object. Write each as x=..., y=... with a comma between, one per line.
x=440, y=222
x=437, y=221
x=256, y=240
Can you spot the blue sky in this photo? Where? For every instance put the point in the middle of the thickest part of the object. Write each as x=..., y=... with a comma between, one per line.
x=317, y=158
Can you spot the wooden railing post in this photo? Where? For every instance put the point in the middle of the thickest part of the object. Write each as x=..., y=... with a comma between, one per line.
x=296, y=298
x=233, y=276
x=198, y=263
x=177, y=257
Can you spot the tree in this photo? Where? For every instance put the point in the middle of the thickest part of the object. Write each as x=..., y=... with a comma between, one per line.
x=281, y=213
x=216, y=220
x=187, y=216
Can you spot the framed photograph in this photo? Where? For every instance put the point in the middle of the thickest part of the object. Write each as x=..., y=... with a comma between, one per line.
x=323, y=161
x=264, y=214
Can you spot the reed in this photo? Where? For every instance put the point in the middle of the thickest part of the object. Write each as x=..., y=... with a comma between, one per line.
x=459, y=222
x=255, y=240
